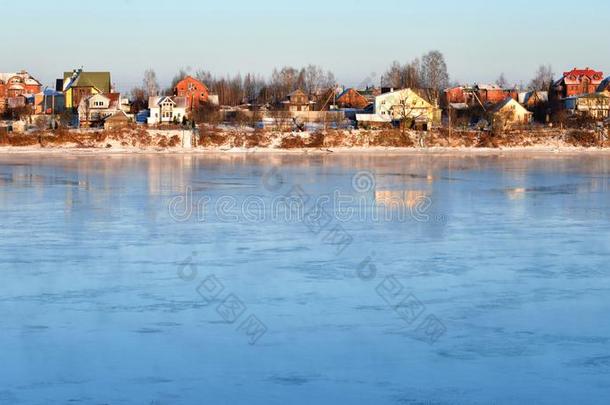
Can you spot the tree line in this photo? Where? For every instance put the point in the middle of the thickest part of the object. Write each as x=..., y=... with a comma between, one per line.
x=429, y=72
x=243, y=89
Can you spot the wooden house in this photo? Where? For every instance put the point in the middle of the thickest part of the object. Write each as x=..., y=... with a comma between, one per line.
x=351, y=98
x=298, y=100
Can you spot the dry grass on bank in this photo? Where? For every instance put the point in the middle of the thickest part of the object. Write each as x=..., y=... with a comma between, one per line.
x=248, y=138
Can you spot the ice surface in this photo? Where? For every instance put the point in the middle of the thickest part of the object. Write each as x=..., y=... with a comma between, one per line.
x=98, y=305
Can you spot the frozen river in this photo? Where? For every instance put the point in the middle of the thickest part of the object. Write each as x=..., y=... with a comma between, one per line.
x=287, y=279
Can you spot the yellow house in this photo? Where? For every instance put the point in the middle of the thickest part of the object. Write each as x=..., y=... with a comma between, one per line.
x=402, y=105
x=510, y=112
x=77, y=85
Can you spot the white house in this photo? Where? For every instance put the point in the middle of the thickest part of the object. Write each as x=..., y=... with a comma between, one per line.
x=400, y=105
x=94, y=109
x=166, y=109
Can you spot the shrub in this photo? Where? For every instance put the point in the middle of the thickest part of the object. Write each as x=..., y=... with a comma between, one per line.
x=258, y=138
x=174, y=141
x=578, y=137
x=292, y=142
x=22, y=140
x=316, y=140
x=211, y=136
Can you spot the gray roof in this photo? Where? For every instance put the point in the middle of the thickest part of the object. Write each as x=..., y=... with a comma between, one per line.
x=542, y=96
x=180, y=102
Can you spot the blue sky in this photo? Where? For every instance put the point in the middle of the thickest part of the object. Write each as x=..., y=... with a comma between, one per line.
x=353, y=38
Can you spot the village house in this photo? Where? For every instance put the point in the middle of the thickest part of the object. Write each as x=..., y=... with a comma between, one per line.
x=297, y=101
x=536, y=102
x=531, y=99
x=15, y=86
x=167, y=110
x=369, y=93
x=195, y=92
x=492, y=93
x=482, y=95
x=94, y=109
x=351, y=98
x=595, y=106
x=18, y=84
x=117, y=120
x=77, y=85
x=402, y=105
x=510, y=113
x=576, y=82
x=454, y=95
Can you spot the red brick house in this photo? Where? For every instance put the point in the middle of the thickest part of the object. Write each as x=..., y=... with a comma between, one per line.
x=493, y=94
x=351, y=98
x=13, y=86
x=576, y=82
x=18, y=84
x=479, y=94
x=195, y=92
x=453, y=95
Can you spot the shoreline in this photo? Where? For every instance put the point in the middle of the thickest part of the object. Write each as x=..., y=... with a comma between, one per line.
x=375, y=150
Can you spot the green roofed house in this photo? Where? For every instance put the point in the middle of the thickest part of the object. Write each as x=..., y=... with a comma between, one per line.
x=78, y=84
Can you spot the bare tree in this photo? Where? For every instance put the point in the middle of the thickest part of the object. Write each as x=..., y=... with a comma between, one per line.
x=434, y=72
x=139, y=99
x=317, y=80
x=403, y=76
x=393, y=76
x=542, y=79
x=182, y=73
x=408, y=114
x=150, y=84
x=412, y=74
x=501, y=81
x=204, y=77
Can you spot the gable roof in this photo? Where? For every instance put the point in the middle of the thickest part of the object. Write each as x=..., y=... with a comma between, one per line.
x=541, y=96
x=118, y=116
x=25, y=76
x=403, y=93
x=155, y=101
x=98, y=80
x=488, y=87
x=190, y=78
x=575, y=75
x=509, y=101
x=113, y=99
x=347, y=91
x=297, y=92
